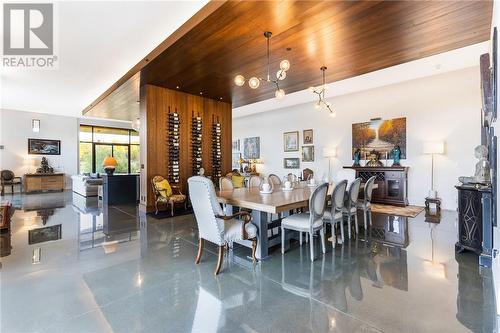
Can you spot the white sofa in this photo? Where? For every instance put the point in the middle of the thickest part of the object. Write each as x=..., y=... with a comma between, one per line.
x=85, y=185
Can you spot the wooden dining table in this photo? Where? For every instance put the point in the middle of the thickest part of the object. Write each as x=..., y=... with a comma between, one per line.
x=264, y=205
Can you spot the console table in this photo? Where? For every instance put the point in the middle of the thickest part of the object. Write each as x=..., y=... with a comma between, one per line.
x=43, y=182
x=392, y=183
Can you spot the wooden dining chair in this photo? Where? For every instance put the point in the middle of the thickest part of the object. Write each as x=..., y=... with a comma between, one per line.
x=334, y=215
x=365, y=203
x=350, y=208
x=310, y=222
x=213, y=225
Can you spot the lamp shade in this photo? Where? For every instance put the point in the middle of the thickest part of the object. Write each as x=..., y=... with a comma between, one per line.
x=329, y=152
x=433, y=147
x=109, y=161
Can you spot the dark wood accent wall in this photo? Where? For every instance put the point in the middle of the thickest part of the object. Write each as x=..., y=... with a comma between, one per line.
x=157, y=102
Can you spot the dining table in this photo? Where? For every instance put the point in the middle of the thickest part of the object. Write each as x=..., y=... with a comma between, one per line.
x=280, y=202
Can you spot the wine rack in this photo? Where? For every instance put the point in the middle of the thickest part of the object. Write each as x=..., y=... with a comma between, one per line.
x=216, y=150
x=196, y=135
x=173, y=146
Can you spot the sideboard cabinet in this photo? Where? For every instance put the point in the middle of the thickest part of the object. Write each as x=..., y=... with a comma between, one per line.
x=392, y=183
x=43, y=182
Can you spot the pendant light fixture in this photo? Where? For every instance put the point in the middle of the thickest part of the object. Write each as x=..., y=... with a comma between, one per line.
x=320, y=91
x=254, y=82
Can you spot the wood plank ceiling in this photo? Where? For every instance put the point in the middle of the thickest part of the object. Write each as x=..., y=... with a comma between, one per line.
x=349, y=37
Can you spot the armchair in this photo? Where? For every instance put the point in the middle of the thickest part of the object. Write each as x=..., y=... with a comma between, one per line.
x=7, y=178
x=213, y=225
x=171, y=200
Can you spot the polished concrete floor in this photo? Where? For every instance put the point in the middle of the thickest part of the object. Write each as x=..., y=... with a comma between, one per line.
x=97, y=269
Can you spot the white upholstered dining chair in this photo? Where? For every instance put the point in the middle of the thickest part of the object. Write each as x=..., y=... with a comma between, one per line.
x=254, y=181
x=365, y=203
x=274, y=180
x=334, y=214
x=213, y=225
x=350, y=208
x=310, y=222
x=225, y=184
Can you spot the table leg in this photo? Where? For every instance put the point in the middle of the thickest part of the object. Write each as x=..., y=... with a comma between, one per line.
x=260, y=220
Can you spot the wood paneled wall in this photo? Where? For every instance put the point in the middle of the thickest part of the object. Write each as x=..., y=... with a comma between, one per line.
x=155, y=104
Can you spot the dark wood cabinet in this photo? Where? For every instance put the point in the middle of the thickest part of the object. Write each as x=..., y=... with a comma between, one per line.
x=475, y=229
x=392, y=183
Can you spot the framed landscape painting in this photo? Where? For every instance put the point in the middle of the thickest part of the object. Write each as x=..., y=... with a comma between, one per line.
x=381, y=135
x=291, y=163
x=44, y=147
x=251, y=148
x=291, y=141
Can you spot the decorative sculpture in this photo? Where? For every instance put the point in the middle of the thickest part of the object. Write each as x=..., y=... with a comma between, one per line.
x=396, y=156
x=373, y=159
x=482, y=174
x=44, y=167
x=357, y=157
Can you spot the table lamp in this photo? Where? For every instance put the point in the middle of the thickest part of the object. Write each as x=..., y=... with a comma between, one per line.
x=109, y=165
x=432, y=148
x=329, y=153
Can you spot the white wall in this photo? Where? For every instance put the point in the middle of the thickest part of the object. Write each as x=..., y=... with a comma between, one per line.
x=441, y=107
x=15, y=129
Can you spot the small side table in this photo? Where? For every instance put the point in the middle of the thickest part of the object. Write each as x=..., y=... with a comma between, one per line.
x=436, y=201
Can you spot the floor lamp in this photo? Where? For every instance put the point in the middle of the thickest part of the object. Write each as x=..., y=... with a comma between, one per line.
x=329, y=153
x=433, y=148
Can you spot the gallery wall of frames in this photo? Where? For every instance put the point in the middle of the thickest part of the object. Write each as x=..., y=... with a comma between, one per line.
x=183, y=133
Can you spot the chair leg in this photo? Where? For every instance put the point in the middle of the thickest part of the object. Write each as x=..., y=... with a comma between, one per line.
x=369, y=213
x=254, y=249
x=200, y=251
x=322, y=234
x=312, y=246
x=307, y=238
x=356, y=222
x=282, y=240
x=300, y=238
x=220, y=259
x=365, y=216
x=349, y=226
x=172, y=208
x=156, y=206
x=341, y=225
x=334, y=236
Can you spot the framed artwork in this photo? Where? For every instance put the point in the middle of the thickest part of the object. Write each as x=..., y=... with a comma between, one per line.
x=291, y=163
x=251, y=148
x=236, y=145
x=380, y=135
x=44, y=147
x=291, y=141
x=307, y=136
x=45, y=234
x=35, y=125
x=307, y=153
x=235, y=164
x=494, y=70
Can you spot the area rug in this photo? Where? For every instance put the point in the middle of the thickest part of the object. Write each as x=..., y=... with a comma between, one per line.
x=165, y=214
x=408, y=211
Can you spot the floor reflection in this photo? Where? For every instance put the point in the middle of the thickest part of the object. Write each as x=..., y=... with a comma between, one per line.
x=113, y=269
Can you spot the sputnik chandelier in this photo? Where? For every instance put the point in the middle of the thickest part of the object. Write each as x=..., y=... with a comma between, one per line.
x=320, y=91
x=254, y=82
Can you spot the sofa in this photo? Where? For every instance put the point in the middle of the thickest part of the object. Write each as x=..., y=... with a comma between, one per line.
x=86, y=185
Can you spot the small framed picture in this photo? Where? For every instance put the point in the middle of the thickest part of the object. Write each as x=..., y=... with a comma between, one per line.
x=291, y=163
x=308, y=136
x=44, y=147
x=291, y=141
x=236, y=145
x=307, y=153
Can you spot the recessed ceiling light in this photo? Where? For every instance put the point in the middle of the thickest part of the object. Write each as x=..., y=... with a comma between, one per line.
x=177, y=87
x=201, y=93
x=220, y=98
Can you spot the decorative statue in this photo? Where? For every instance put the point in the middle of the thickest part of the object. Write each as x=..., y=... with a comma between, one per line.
x=396, y=156
x=357, y=157
x=482, y=174
x=373, y=159
x=44, y=167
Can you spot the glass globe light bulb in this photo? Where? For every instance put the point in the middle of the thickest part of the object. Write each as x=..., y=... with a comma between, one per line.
x=239, y=80
x=317, y=105
x=280, y=93
x=285, y=65
x=333, y=114
x=281, y=75
x=254, y=82
x=311, y=89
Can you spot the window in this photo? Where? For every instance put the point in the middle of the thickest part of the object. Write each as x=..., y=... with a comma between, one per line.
x=97, y=143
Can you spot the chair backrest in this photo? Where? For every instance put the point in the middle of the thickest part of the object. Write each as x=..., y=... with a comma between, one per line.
x=347, y=174
x=369, y=189
x=307, y=174
x=317, y=202
x=254, y=181
x=354, y=192
x=154, y=180
x=226, y=184
x=338, y=197
x=275, y=180
x=7, y=175
x=206, y=209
